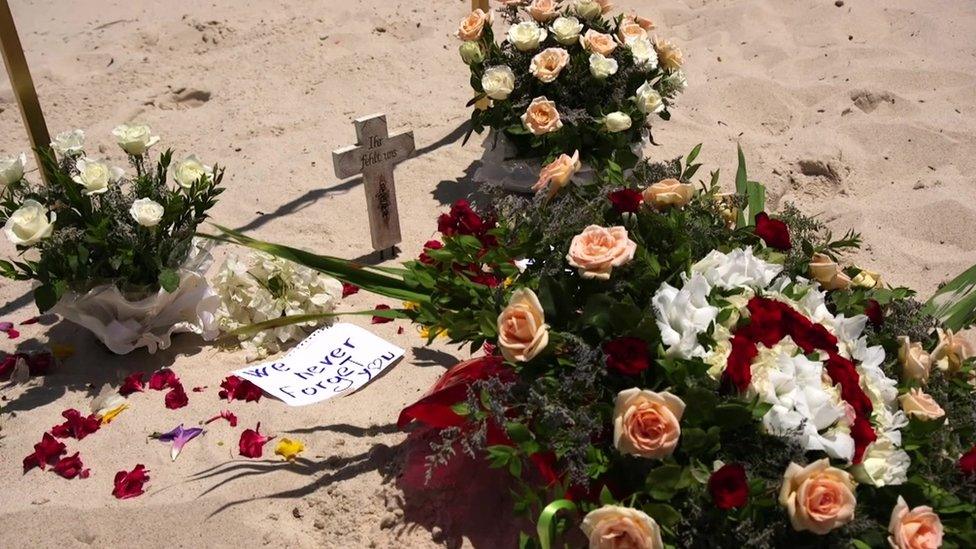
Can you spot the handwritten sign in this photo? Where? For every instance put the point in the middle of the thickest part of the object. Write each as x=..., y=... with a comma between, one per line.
x=330, y=362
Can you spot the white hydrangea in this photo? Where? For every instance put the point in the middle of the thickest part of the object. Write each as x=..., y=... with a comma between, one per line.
x=261, y=287
x=684, y=314
x=737, y=269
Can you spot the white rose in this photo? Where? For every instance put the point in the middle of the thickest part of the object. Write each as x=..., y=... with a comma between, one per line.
x=648, y=100
x=602, y=67
x=95, y=176
x=527, y=35
x=682, y=315
x=135, y=139
x=147, y=212
x=645, y=56
x=617, y=122
x=69, y=143
x=675, y=82
x=12, y=169
x=29, y=224
x=588, y=9
x=498, y=82
x=567, y=30
x=189, y=171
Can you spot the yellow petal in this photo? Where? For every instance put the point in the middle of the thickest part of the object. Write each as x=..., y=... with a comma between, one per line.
x=108, y=416
x=289, y=449
x=411, y=305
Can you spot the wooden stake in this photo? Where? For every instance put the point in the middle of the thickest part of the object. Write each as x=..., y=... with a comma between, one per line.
x=23, y=86
x=480, y=4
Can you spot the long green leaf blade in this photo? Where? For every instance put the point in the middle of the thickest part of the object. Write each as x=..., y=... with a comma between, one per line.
x=955, y=303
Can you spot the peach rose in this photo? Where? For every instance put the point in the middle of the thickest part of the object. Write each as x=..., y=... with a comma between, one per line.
x=614, y=527
x=597, y=250
x=921, y=406
x=597, y=42
x=558, y=174
x=918, y=528
x=827, y=272
x=915, y=362
x=630, y=31
x=473, y=25
x=668, y=55
x=669, y=192
x=818, y=497
x=605, y=6
x=647, y=424
x=952, y=349
x=543, y=11
x=522, y=330
x=541, y=117
x=644, y=22
x=547, y=64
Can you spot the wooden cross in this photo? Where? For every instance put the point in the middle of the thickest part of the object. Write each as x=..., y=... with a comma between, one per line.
x=374, y=156
x=23, y=86
x=480, y=4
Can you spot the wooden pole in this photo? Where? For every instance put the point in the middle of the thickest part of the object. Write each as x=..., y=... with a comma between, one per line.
x=479, y=4
x=23, y=86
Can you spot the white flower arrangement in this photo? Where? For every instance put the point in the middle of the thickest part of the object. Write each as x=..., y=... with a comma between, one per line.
x=261, y=287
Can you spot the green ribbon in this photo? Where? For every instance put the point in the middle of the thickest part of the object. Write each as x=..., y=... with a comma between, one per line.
x=547, y=520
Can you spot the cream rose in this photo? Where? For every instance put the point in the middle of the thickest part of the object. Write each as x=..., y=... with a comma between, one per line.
x=29, y=224
x=547, y=64
x=541, y=117
x=629, y=31
x=617, y=122
x=668, y=54
x=522, y=329
x=597, y=42
x=645, y=56
x=597, y=250
x=588, y=9
x=526, y=36
x=12, y=170
x=828, y=273
x=473, y=26
x=669, y=192
x=919, y=405
x=614, y=527
x=818, y=497
x=915, y=362
x=543, y=11
x=95, y=176
x=647, y=424
x=918, y=528
x=147, y=212
x=951, y=351
x=648, y=100
x=602, y=67
x=69, y=143
x=566, y=30
x=135, y=139
x=189, y=171
x=557, y=174
x=498, y=82
x=866, y=279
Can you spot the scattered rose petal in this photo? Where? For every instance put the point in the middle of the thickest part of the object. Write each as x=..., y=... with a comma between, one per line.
x=45, y=453
x=71, y=467
x=252, y=442
x=236, y=388
x=289, y=449
x=77, y=426
x=349, y=289
x=30, y=321
x=132, y=384
x=379, y=319
x=199, y=389
x=12, y=334
x=129, y=484
x=179, y=437
x=6, y=326
x=176, y=397
x=400, y=330
x=225, y=414
x=162, y=379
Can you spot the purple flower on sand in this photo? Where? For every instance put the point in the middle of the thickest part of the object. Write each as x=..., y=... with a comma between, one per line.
x=179, y=437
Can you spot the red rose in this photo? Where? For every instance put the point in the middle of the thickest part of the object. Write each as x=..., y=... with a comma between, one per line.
x=967, y=463
x=380, y=319
x=77, y=425
x=430, y=245
x=252, y=442
x=129, y=484
x=71, y=467
x=45, y=452
x=235, y=388
x=626, y=200
x=132, y=384
x=463, y=220
x=773, y=232
x=176, y=397
x=874, y=313
x=162, y=379
x=627, y=355
x=349, y=289
x=728, y=487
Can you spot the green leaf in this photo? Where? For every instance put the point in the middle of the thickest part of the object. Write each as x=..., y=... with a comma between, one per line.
x=693, y=154
x=955, y=303
x=663, y=513
x=45, y=297
x=741, y=186
x=169, y=280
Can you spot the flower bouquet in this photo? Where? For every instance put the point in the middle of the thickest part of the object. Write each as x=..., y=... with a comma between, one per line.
x=112, y=252
x=565, y=80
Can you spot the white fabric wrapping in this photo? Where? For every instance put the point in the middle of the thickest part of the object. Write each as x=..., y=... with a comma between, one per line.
x=124, y=325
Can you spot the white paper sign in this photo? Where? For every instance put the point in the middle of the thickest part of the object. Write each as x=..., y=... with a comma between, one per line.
x=330, y=362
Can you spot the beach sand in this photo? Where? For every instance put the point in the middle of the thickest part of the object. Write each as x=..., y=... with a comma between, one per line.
x=863, y=113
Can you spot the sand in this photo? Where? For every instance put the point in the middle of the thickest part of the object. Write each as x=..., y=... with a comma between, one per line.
x=863, y=113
